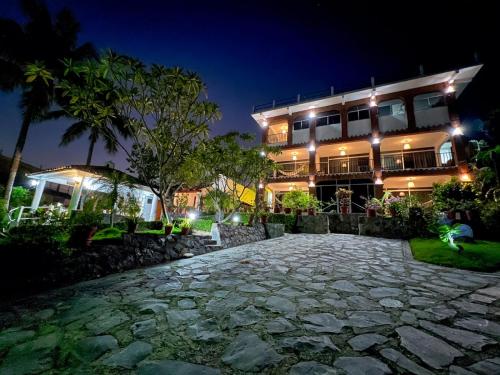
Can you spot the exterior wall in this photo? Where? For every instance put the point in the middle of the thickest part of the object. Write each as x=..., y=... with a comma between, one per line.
x=432, y=116
x=392, y=123
x=328, y=132
x=300, y=136
x=359, y=127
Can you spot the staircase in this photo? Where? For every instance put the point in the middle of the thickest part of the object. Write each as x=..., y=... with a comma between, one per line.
x=209, y=243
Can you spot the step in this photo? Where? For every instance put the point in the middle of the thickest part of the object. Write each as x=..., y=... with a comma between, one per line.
x=210, y=242
x=213, y=247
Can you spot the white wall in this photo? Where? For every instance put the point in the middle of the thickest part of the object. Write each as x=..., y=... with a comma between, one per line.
x=393, y=122
x=432, y=116
x=328, y=132
x=359, y=127
x=300, y=136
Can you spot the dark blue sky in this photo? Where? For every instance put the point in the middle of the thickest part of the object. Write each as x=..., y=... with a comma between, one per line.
x=251, y=52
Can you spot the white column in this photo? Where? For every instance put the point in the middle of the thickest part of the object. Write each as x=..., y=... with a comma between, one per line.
x=154, y=204
x=38, y=195
x=75, y=196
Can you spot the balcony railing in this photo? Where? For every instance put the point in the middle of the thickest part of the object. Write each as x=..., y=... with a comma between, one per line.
x=291, y=169
x=346, y=165
x=417, y=160
x=277, y=138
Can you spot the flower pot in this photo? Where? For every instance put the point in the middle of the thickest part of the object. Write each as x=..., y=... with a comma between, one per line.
x=277, y=209
x=371, y=212
x=263, y=219
x=185, y=231
x=168, y=229
x=298, y=212
x=288, y=210
x=311, y=211
x=344, y=210
x=81, y=235
x=132, y=227
x=393, y=212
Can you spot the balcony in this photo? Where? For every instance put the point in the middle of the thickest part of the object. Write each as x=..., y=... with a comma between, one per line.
x=277, y=139
x=300, y=136
x=327, y=132
x=416, y=160
x=347, y=165
x=299, y=168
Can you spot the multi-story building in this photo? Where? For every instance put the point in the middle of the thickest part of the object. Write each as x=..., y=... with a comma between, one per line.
x=401, y=137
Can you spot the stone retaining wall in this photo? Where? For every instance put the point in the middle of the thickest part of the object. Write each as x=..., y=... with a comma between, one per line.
x=228, y=235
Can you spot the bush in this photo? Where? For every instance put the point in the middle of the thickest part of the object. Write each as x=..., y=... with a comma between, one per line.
x=3, y=214
x=203, y=224
x=454, y=195
x=149, y=225
x=288, y=220
x=20, y=196
x=86, y=218
x=41, y=240
x=296, y=199
x=490, y=217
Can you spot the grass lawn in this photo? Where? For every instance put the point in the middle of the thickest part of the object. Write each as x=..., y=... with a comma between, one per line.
x=478, y=256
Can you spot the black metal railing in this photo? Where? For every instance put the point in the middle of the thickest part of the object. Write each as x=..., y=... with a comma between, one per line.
x=416, y=160
x=361, y=164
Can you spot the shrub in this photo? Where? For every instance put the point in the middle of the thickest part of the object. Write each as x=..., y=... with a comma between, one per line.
x=3, y=214
x=296, y=199
x=20, y=196
x=149, y=225
x=86, y=218
x=288, y=220
x=454, y=195
x=490, y=217
x=40, y=240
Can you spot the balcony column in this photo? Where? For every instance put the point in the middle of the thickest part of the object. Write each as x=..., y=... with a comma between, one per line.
x=312, y=154
x=374, y=120
x=265, y=134
x=410, y=112
x=35, y=203
x=290, y=131
x=457, y=141
x=343, y=121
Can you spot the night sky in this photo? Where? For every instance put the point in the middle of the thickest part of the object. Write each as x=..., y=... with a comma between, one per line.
x=251, y=52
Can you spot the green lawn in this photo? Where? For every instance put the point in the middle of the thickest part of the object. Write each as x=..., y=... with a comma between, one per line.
x=478, y=256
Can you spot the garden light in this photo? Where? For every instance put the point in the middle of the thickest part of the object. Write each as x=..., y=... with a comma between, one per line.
x=312, y=184
x=465, y=177
x=192, y=215
x=262, y=153
x=236, y=218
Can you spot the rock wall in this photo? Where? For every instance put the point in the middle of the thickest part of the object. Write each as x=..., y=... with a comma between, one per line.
x=228, y=235
x=274, y=230
x=313, y=224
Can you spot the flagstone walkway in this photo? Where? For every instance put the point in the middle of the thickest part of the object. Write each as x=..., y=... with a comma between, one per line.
x=300, y=304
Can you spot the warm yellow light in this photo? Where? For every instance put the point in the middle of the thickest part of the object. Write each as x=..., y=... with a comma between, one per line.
x=294, y=156
x=450, y=89
x=342, y=151
x=265, y=123
x=312, y=184
x=312, y=114
x=411, y=184
x=398, y=161
x=402, y=194
x=379, y=181
x=406, y=146
x=375, y=141
x=312, y=147
x=284, y=129
x=457, y=131
x=344, y=165
x=465, y=177
x=373, y=103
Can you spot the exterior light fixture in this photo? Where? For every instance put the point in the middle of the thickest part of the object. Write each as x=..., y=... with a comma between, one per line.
x=411, y=184
x=457, y=131
x=33, y=182
x=373, y=99
x=312, y=114
x=406, y=146
x=236, y=218
x=450, y=89
x=284, y=129
x=88, y=184
x=312, y=184
x=465, y=177
x=402, y=194
x=375, y=141
x=342, y=151
x=192, y=215
x=378, y=181
x=290, y=188
x=261, y=185
x=294, y=156
x=312, y=147
x=265, y=123
x=263, y=153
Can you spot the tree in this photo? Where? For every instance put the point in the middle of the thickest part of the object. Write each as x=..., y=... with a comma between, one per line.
x=168, y=114
x=89, y=96
x=229, y=167
x=43, y=41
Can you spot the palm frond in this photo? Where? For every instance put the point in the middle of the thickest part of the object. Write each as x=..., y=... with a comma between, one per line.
x=74, y=132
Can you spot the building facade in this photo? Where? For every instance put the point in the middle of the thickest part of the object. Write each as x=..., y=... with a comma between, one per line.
x=401, y=137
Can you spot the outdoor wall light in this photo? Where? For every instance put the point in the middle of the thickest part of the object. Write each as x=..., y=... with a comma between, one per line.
x=375, y=141
x=294, y=156
x=342, y=151
x=378, y=181
x=265, y=123
x=312, y=114
x=411, y=184
x=406, y=146
x=312, y=147
x=33, y=182
x=312, y=184
x=261, y=185
x=450, y=89
x=457, y=131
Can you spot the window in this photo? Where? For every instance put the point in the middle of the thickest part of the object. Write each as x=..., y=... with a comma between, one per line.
x=426, y=101
x=328, y=118
x=359, y=112
x=394, y=108
x=302, y=124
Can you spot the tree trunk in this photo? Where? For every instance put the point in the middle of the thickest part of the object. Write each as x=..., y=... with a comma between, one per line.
x=91, y=150
x=16, y=158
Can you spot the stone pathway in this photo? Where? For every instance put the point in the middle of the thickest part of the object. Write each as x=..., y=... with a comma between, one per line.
x=300, y=304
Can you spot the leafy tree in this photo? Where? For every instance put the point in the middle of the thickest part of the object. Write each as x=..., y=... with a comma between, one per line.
x=20, y=197
x=89, y=96
x=168, y=114
x=31, y=56
x=229, y=166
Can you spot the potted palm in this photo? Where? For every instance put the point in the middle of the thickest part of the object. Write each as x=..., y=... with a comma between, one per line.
x=131, y=210
x=168, y=228
x=344, y=198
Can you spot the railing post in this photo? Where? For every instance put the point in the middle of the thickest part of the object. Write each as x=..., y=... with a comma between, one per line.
x=274, y=103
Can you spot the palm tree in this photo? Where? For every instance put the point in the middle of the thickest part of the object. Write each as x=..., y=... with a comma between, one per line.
x=42, y=39
x=96, y=132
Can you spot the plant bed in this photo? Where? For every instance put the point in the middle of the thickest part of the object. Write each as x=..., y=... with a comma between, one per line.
x=478, y=256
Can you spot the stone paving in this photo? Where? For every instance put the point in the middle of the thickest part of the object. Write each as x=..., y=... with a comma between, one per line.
x=299, y=304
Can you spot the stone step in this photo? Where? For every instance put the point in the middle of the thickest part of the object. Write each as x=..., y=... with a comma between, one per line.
x=214, y=247
x=209, y=242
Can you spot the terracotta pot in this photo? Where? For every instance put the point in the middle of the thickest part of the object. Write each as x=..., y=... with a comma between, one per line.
x=277, y=210
x=263, y=219
x=344, y=210
x=311, y=211
x=288, y=210
x=168, y=229
x=298, y=211
x=393, y=212
x=185, y=231
x=371, y=212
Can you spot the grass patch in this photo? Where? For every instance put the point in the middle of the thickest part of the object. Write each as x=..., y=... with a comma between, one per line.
x=202, y=224
x=175, y=230
x=478, y=256
x=108, y=234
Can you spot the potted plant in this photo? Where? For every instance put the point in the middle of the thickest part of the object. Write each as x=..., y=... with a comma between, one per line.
x=186, y=227
x=296, y=200
x=344, y=198
x=313, y=205
x=277, y=209
x=393, y=205
x=131, y=210
x=84, y=225
x=168, y=227
x=372, y=206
